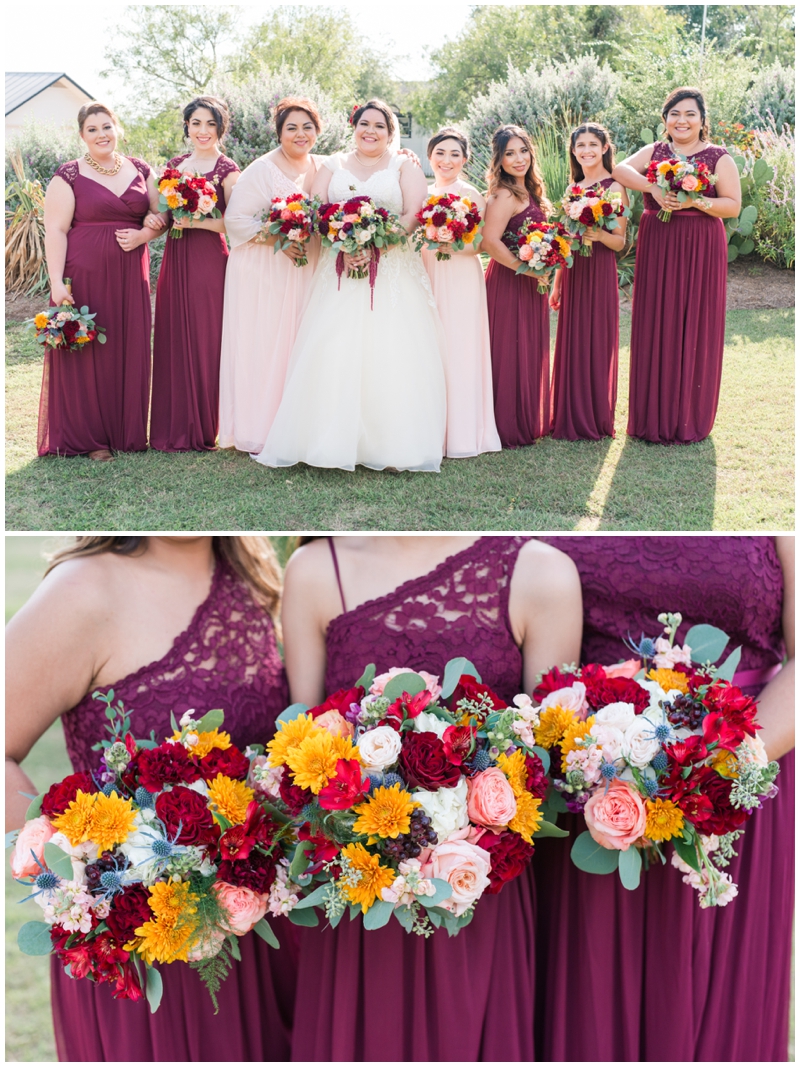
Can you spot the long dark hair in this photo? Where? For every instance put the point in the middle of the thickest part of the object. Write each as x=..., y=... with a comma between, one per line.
x=603, y=136
x=687, y=92
x=496, y=177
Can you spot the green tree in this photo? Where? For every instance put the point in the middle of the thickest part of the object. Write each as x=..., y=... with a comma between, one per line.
x=765, y=32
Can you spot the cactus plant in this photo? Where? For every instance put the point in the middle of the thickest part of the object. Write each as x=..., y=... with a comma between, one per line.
x=753, y=175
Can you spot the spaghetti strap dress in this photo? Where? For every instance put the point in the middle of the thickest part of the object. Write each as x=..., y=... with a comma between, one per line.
x=662, y=979
x=227, y=658
x=587, y=346
x=678, y=319
x=385, y=994
x=188, y=332
x=519, y=327
x=97, y=398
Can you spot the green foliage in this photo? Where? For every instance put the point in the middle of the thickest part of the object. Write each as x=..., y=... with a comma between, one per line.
x=214, y=971
x=773, y=233
x=765, y=33
x=43, y=148
x=771, y=98
x=588, y=856
x=156, y=138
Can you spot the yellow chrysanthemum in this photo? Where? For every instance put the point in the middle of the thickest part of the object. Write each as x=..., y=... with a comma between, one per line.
x=664, y=820
x=669, y=679
x=724, y=763
x=112, y=821
x=289, y=736
x=41, y=320
x=173, y=201
x=170, y=900
x=229, y=797
x=170, y=934
x=76, y=822
x=387, y=813
x=513, y=767
x=528, y=818
x=569, y=742
x=314, y=760
x=82, y=340
x=552, y=724
x=597, y=209
x=210, y=739
x=564, y=246
x=663, y=168
x=369, y=875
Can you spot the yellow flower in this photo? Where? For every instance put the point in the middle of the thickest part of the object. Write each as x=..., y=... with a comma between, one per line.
x=208, y=740
x=534, y=238
x=288, y=737
x=387, y=813
x=76, y=821
x=597, y=209
x=724, y=763
x=663, y=168
x=173, y=200
x=107, y=821
x=664, y=820
x=41, y=320
x=170, y=934
x=528, y=818
x=229, y=797
x=569, y=742
x=563, y=246
x=81, y=340
x=669, y=679
x=314, y=760
x=513, y=767
x=367, y=874
x=552, y=724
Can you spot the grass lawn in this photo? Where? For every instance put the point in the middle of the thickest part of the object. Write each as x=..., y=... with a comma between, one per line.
x=741, y=478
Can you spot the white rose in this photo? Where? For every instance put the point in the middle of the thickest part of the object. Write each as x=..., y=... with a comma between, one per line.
x=427, y=722
x=363, y=236
x=570, y=698
x=447, y=808
x=379, y=748
x=610, y=739
x=640, y=745
x=620, y=714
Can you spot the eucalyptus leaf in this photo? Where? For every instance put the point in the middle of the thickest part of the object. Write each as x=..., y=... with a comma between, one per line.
x=174, y=723
x=727, y=669
x=154, y=988
x=544, y=756
x=265, y=931
x=303, y=918
x=212, y=720
x=408, y=682
x=317, y=897
x=58, y=861
x=687, y=852
x=368, y=677
x=292, y=712
x=588, y=856
x=300, y=860
x=378, y=915
x=147, y=744
x=435, y=917
x=236, y=952
x=549, y=829
x=405, y=917
x=706, y=642
x=34, y=808
x=355, y=911
x=34, y=939
x=443, y=891
x=630, y=867
x=453, y=671
x=335, y=919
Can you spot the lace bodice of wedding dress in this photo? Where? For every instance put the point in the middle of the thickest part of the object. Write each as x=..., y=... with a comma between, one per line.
x=383, y=186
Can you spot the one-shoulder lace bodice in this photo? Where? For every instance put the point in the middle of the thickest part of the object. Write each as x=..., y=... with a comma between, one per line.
x=383, y=186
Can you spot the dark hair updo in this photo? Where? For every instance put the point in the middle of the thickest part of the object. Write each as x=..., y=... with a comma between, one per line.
x=450, y=133
x=295, y=103
x=603, y=136
x=687, y=92
x=96, y=108
x=375, y=105
x=217, y=107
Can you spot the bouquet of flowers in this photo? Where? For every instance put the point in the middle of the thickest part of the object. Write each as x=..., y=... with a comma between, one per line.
x=448, y=219
x=66, y=327
x=660, y=748
x=164, y=853
x=541, y=248
x=358, y=225
x=675, y=175
x=187, y=196
x=410, y=799
x=291, y=219
x=583, y=208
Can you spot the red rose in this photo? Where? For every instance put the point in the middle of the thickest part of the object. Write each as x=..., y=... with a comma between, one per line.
x=228, y=761
x=586, y=217
x=293, y=796
x=424, y=764
x=607, y=208
x=469, y=688
x=339, y=701
x=510, y=855
x=257, y=872
x=185, y=809
x=612, y=690
x=59, y=796
x=551, y=681
x=723, y=817
x=70, y=330
x=536, y=782
x=165, y=765
x=129, y=910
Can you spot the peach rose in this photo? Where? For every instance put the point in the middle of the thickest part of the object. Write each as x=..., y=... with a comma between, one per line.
x=32, y=838
x=491, y=801
x=465, y=867
x=689, y=183
x=335, y=723
x=444, y=234
x=431, y=681
x=430, y=233
x=615, y=816
x=629, y=669
x=525, y=253
x=244, y=907
x=205, y=948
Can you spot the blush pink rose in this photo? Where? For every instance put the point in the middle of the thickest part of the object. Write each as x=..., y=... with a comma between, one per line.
x=629, y=669
x=430, y=233
x=244, y=906
x=32, y=838
x=335, y=723
x=443, y=234
x=615, y=817
x=525, y=253
x=431, y=681
x=206, y=948
x=570, y=698
x=490, y=800
x=689, y=183
x=464, y=867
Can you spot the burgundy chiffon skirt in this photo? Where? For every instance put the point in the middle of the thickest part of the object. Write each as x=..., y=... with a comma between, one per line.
x=186, y=343
x=387, y=995
x=678, y=327
x=519, y=327
x=587, y=348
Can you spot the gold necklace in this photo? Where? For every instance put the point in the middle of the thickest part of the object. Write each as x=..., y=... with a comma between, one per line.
x=368, y=165
x=110, y=171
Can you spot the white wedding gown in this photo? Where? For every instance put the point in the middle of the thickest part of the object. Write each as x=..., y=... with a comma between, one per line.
x=365, y=385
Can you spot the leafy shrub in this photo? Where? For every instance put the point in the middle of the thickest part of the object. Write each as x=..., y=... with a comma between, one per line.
x=43, y=148
x=772, y=98
x=773, y=233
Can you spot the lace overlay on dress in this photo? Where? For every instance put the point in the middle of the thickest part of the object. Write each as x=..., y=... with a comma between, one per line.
x=226, y=658
x=459, y=608
x=68, y=171
x=223, y=166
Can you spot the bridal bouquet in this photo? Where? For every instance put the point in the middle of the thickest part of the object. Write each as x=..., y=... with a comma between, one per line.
x=541, y=248
x=291, y=219
x=358, y=225
x=663, y=748
x=187, y=196
x=410, y=799
x=162, y=854
x=687, y=180
x=447, y=219
x=66, y=327
x=583, y=208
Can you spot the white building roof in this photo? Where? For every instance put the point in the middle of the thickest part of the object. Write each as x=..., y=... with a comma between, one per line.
x=22, y=87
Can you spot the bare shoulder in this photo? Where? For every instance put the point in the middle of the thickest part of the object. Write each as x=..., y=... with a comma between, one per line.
x=546, y=572
x=307, y=568
x=74, y=599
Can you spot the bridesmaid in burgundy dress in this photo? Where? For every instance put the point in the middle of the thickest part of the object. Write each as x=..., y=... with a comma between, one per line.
x=678, y=324
x=519, y=322
x=107, y=616
x=96, y=399
x=656, y=976
x=188, y=330
x=507, y=605
x=587, y=300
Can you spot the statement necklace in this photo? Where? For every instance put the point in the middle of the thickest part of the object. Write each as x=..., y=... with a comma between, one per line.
x=110, y=171
x=377, y=161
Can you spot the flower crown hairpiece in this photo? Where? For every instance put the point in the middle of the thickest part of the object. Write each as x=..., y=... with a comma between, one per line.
x=353, y=112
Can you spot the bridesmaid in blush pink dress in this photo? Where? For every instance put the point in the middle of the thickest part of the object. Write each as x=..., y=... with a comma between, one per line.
x=264, y=292
x=460, y=290
x=678, y=323
x=188, y=331
x=587, y=301
x=519, y=322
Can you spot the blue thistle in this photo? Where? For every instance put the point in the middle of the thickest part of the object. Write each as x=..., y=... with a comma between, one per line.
x=109, y=788
x=308, y=813
x=481, y=761
x=43, y=882
x=608, y=771
x=375, y=780
x=659, y=762
x=651, y=786
x=646, y=647
x=391, y=779
x=662, y=732
x=143, y=798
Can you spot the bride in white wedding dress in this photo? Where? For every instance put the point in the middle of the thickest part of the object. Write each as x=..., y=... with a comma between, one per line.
x=366, y=385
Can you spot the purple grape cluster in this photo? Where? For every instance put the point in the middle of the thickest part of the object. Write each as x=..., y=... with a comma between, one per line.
x=95, y=871
x=409, y=846
x=686, y=712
